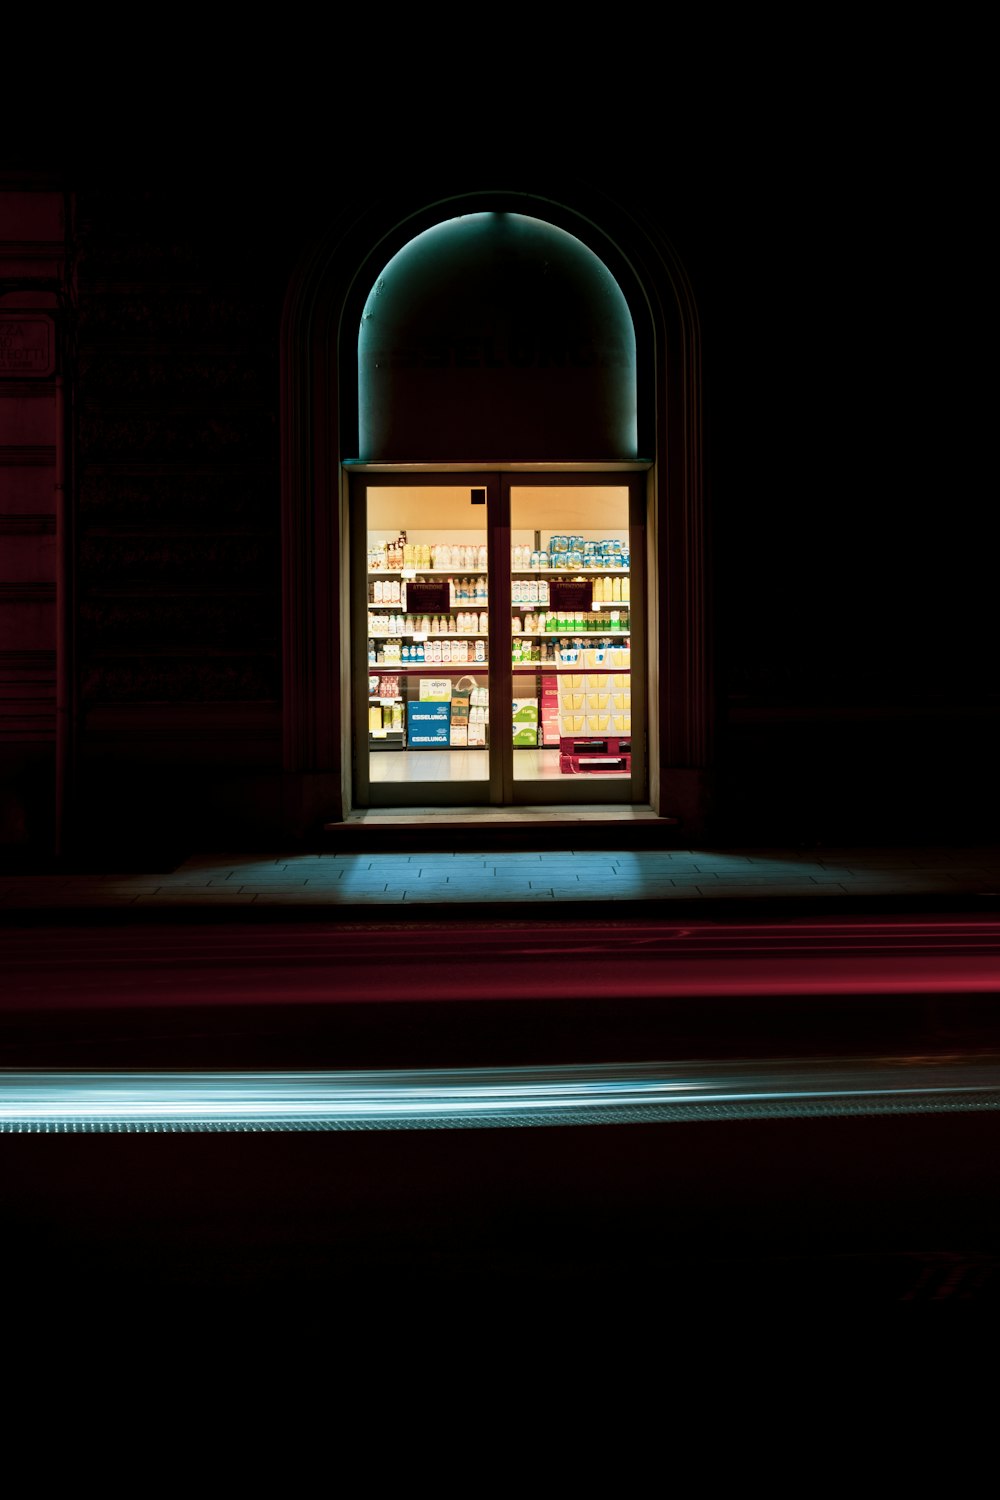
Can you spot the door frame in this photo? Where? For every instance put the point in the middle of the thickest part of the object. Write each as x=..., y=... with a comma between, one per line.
x=500, y=789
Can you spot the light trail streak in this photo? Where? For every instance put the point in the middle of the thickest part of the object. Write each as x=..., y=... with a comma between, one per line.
x=71, y=1102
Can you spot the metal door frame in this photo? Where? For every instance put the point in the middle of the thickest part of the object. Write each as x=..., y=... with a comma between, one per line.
x=500, y=789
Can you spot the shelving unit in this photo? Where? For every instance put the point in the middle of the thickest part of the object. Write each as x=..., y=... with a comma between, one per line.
x=438, y=626
x=570, y=638
x=578, y=649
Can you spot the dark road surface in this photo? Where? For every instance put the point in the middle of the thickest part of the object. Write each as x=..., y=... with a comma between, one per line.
x=843, y=1204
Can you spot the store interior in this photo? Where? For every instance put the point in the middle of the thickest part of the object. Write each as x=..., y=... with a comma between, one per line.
x=569, y=642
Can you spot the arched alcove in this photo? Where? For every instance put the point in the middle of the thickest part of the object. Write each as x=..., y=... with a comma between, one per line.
x=493, y=334
x=320, y=435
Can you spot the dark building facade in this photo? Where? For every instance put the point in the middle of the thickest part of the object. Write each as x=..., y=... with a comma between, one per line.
x=194, y=407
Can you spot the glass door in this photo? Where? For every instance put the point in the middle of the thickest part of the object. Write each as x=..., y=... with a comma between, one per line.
x=422, y=696
x=577, y=658
x=495, y=647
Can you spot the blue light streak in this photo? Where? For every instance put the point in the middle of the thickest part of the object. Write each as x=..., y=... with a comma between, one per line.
x=604, y=1094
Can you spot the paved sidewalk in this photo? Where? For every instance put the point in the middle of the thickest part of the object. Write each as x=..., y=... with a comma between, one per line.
x=567, y=880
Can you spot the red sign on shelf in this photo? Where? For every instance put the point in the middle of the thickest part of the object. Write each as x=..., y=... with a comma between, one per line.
x=571, y=593
x=429, y=597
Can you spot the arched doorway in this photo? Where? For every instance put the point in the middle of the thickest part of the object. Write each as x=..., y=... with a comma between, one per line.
x=323, y=459
x=501, y=660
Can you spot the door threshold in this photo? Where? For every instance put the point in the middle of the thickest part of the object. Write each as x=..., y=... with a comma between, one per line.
x=530, y=816
x=409, y=829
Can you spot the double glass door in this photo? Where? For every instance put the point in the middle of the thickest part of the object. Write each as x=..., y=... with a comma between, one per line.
x=498, y=650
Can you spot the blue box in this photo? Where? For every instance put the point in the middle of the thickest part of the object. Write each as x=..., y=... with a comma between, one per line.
x=428, y=726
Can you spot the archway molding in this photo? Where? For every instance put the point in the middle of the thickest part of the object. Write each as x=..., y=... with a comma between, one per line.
x=319, y=337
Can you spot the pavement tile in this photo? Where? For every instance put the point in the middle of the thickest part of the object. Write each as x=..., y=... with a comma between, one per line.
x=217, y=896
x=726, y=888
x=269, y=890
x=317, y=897
x=753, y=879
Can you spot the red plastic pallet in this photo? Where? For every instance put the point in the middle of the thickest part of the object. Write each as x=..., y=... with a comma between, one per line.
x=594, y=753
x=595, y=744
x=592, y=764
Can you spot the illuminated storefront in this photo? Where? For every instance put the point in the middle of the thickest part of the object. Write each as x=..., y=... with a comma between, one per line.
x=502, y=531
